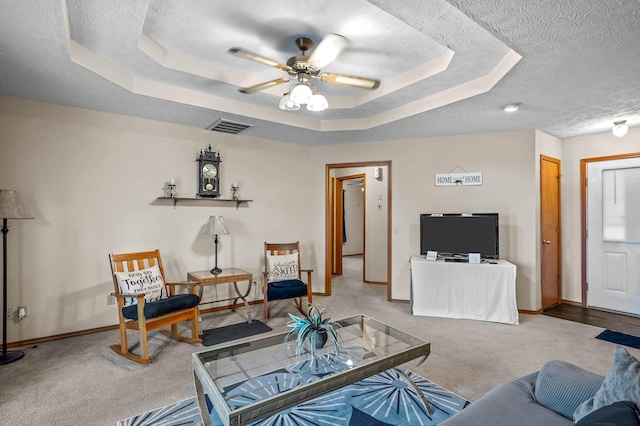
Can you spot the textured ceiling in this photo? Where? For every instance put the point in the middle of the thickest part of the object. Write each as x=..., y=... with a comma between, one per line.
x=445, y=67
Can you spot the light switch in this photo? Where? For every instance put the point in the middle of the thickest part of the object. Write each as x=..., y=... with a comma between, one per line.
x=396, y=229
x=380, y=196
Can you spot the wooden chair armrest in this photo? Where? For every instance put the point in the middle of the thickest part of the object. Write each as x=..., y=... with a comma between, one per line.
x=129, y=295
x=306, y=270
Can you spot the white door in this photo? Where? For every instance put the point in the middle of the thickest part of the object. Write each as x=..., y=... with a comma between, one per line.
x=613, y=235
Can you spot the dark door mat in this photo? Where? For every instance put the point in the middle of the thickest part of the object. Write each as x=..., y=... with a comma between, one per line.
x=227, y=333
x=620, y=338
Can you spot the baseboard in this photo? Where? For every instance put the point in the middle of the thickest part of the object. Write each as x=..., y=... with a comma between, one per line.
x=349, y=255
x=524, y=311
x=37, y=340
x=376, y=282
x=572, y=303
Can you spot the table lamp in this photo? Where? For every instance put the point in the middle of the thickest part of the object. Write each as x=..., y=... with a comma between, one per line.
x=216, y=227
x=10, y=208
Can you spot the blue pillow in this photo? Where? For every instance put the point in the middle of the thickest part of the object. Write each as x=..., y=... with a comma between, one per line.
x=622, y=413
x=621, y=384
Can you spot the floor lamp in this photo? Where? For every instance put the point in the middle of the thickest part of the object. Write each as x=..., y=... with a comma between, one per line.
x=10, y=208
x=216, y=227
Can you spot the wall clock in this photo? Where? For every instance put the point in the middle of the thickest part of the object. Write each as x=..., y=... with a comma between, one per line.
x=209, y=173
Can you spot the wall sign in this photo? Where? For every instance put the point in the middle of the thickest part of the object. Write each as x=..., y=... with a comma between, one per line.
x=458, y=179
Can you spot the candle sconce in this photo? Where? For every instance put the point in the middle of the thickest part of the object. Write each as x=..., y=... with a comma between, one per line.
x=235, y=194
x=171, y=190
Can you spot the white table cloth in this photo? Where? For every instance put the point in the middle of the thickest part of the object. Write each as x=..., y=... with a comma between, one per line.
x=481, y=291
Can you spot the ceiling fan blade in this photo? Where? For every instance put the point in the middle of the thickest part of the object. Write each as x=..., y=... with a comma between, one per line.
x=264, y=85
x=348, y=80
x=257, y=58
x=327, y=50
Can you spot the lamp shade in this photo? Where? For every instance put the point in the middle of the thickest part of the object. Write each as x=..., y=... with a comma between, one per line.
x=301, y=94
x=287, y=104
x=11, y=207
x=317, y=103
x=216, y=226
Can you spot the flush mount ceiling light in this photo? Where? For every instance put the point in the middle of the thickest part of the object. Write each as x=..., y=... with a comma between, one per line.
x=511, y=107
x=620, y=128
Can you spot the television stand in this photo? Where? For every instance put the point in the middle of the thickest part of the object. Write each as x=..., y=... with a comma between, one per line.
x=479, y=291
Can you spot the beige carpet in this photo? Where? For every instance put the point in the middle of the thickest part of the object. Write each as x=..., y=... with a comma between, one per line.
x=80, y=381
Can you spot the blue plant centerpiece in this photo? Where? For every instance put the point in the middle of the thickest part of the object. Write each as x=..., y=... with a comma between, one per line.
x=314, y=328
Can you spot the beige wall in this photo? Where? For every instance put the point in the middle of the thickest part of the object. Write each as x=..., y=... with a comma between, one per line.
x=509, y=188
x=91, y=180
x=573, y=150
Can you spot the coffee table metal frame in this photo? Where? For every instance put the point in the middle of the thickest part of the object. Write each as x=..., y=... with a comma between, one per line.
x=386, y=346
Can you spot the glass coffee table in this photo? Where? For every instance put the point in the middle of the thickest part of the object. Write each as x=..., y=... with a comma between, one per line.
x=248, y=381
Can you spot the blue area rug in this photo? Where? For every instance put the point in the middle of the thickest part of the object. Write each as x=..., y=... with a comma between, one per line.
x=620, y=338
x=381, y=400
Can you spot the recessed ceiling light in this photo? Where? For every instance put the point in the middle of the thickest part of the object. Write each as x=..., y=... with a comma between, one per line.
x=511, y=107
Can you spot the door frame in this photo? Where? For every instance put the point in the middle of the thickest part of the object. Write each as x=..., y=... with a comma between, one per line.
x=583, y=212
x=329, y=216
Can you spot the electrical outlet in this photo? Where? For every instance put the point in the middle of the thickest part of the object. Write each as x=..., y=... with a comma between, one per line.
x=9, y=314
x=111, y=299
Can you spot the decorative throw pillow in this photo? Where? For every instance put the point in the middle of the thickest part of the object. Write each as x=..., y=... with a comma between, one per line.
x=148, y=281
x=283, y=267
x=621, y=384
x=623, y=413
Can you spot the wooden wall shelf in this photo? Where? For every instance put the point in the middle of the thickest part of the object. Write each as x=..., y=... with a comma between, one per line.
x=209, y=200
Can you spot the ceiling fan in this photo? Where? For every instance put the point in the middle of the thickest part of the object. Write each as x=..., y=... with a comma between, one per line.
x=303, y=67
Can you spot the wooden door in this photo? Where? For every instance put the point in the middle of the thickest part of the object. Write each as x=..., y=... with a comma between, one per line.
x=550, y=251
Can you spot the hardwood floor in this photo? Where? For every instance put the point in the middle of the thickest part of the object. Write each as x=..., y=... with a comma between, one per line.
x=622, y=323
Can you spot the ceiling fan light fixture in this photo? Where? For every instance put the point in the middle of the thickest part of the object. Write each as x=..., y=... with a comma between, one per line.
x=301, y=94
x=286, y=104
x=620, y=128
x=317, y=103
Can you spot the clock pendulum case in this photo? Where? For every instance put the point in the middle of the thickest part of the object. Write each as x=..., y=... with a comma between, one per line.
x=209, y=173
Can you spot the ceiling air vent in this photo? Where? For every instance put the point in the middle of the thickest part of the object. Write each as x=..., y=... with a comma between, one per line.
x=227, y=126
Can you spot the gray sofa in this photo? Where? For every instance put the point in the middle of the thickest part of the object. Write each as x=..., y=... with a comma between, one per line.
x=560, y=393
x=548, y=397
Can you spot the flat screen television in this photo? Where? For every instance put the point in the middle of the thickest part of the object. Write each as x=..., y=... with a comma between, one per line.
x=458, y=234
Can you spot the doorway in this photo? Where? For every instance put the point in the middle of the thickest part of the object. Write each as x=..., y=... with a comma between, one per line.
x=349, y=239
x=612, y=234
x=550, y=252
x=377, y=225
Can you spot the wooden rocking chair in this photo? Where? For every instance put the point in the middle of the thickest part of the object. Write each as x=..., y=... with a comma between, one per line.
x=146, y=316
x=291, y=287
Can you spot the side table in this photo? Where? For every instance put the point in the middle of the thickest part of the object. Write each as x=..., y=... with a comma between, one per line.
x=229, y=275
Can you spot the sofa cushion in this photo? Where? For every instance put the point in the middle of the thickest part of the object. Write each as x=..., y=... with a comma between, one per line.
x=621, y=384
x=161, y=307
x=562, y=387
x=622, y=413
